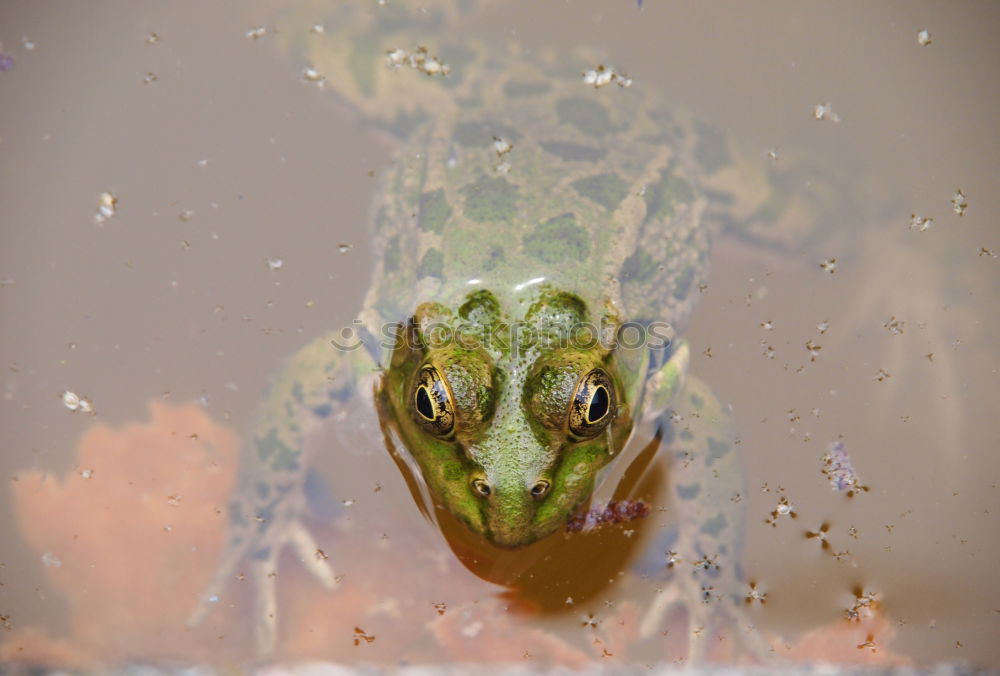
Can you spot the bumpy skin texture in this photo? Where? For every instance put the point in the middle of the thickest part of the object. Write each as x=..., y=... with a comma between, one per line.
x=601, y=218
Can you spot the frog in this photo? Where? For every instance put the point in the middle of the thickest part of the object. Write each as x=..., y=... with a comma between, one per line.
x=539, y=246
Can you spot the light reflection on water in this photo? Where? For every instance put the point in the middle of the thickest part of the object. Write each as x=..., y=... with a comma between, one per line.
x=225, y=161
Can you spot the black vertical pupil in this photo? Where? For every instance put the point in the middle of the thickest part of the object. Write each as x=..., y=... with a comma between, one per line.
x=598, y=405
x=424, y=405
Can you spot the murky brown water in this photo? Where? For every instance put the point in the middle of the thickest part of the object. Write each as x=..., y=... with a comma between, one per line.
x=225, y=158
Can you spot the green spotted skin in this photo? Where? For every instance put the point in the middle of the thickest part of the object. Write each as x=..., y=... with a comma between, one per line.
x=597, y=213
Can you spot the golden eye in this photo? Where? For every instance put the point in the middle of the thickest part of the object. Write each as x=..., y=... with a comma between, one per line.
x=432, y=404
x=593, y=404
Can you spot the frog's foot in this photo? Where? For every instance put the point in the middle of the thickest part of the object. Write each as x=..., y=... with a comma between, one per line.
x=263, y=554
x=264, y=573
x=908, y=301
x=708, y=615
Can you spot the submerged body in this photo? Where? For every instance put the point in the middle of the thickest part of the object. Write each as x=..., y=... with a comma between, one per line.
x=539, y=246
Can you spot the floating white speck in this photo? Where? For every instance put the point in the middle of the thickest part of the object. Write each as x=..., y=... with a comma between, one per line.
x=107, y=207
x=256, y=33
x=823, y=327
x=274, y=263
x=920, y=223
x=28, y=43
x=830, y=265
x=50, y=560
x=344, y=248
x=501, y=146
x=824, y=111
x=604, y=75
x=150, y=78
x=310, y=74
x=71, y=400
x=75, y=403
x=419, y=59
x=86, y=473
x=923, y=38
x=186, y=215
x=348, y=503
x=317, y=28
x=772, y=153
x=958, y=203
x=152, y=39
x=894, y=326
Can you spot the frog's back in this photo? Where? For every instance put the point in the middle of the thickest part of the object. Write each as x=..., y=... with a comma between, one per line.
x=597, y=193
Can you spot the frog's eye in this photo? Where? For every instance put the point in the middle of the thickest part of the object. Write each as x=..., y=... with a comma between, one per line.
x=593, y=404
x=433, y=408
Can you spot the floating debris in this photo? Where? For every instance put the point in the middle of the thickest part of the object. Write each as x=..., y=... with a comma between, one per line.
x=256, y=33
x=150, y=77
x=863, y=606
x=344, y=248
x=274, y=263
x=820, y=534
x=360, y=635
x=894, y=326
x=958, y=203
x=824, y=111
x=983, y=251
x=768, y=350
x=783, y=508
x=310, y=74
x=152, y=39
x=605, y=75
x=839, y=470
x=772, y=153
x=613, y=513
x=830, y=265
x=419, y=59
x=185, y=215
x=920, y=223
x=882, y=375
x=813, y=349
x=50, y=560
x=502, y=147
x=317, y=28
x=823, y=327
x=28, y=43
x=107, y=207
x=923, y=37
x=755, y=595
x=76, y=403
x=6, y=62
x=767, y=325
x=440, y=608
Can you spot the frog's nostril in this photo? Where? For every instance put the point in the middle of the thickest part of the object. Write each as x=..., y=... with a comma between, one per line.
x=481, y=487
x=540, y=488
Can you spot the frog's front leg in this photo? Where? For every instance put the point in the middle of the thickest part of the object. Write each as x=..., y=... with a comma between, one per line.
x=266, y=513
x=701, y=547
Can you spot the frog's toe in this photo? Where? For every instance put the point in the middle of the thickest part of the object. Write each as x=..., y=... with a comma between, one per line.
x=313, y=558
x=656, y=614
x=265, y=602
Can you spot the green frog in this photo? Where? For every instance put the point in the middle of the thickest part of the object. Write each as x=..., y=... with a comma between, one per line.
x=540, y=242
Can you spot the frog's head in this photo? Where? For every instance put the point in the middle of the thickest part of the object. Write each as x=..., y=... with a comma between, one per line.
x=509, y=427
